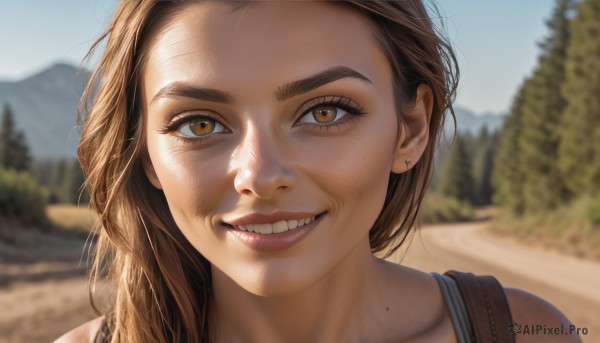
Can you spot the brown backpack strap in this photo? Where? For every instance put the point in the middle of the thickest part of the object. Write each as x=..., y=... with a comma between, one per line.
x=486, y=305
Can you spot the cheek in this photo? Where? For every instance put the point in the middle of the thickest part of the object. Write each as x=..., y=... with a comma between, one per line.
x=354, y=172
x=188, y=181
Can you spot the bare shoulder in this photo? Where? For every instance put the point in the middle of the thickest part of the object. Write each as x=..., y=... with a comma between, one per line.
x=536, y=320
x=82, y=334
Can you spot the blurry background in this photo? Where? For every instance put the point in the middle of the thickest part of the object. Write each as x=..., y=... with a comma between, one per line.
x=514, y=193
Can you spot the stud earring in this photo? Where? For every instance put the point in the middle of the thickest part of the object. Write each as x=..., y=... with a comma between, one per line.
x=407, y=163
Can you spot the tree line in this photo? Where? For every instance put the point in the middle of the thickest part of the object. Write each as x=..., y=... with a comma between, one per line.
x=466, y=168
x=549, y=149
x=62, y=178
x=547, y=154
x=27, y=185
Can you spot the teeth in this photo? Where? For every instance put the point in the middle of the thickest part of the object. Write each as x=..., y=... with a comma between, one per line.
x=292, y=224
x=265, y=229
x=278, y=227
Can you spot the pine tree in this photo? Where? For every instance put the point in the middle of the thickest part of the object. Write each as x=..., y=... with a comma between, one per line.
x=483, y=166
x=43, y=170
x=579, y=152
x=59, y=172
x=507, y=176
x=57, y=186
x=457, y=180
x=543, y=186
x=6, y=136
x=22, y=158
x=72, y=183
x=14, y=152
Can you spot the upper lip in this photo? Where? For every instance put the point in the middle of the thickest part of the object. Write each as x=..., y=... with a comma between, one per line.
x=269, y=218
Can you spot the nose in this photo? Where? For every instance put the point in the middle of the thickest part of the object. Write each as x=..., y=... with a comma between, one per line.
x=261, y=169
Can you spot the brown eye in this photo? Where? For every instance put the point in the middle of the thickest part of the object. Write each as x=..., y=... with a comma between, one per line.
x=325, y=114
x=199, y=127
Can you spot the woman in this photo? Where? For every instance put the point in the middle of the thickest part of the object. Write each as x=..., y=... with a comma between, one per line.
x=247, y=159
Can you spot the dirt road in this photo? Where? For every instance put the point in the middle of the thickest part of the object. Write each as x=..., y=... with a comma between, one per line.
x=40, y=300
x=571, y=284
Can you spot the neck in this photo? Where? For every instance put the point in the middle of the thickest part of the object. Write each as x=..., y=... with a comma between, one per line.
x=328, y=311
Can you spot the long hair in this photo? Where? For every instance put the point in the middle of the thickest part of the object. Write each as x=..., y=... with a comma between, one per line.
x=162, y=283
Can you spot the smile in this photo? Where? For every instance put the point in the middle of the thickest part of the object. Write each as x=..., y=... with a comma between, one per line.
x=278, y=227
x=275, y=231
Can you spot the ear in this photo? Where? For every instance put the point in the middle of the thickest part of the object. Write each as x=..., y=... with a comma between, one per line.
x=149, y=170
x=414, y=131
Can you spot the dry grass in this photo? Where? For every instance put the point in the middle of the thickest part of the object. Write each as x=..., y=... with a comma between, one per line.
x=437, y=209
x=567, y=229
x=71, y=217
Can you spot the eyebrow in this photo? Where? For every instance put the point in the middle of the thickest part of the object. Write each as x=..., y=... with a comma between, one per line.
x=183, y=89
x=287, y=91
x=295, y=88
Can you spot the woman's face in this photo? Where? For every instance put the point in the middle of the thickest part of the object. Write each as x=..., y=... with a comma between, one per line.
x=263, y=116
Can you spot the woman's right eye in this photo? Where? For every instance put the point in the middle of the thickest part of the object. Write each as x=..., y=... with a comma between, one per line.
x=199, y=127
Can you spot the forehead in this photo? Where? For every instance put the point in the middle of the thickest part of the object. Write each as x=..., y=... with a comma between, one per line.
x=224, y=46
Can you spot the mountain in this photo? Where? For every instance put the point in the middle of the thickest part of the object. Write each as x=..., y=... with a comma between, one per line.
x=468, y=121
x=45, y=109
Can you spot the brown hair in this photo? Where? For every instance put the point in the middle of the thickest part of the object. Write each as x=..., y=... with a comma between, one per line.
x=162, y=282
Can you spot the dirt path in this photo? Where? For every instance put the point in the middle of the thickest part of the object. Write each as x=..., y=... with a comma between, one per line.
x=42, y=311
x=40, y=300
x=43, y=287
x=571, y=284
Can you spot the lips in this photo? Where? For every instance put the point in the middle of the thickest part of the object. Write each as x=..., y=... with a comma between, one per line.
x=273, y=232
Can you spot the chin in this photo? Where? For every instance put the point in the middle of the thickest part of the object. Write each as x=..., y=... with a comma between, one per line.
x=274, y=280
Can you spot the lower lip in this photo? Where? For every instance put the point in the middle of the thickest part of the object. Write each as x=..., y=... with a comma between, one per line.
x=274, y=241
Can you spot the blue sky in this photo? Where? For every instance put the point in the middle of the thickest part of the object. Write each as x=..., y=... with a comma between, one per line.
x=495, y=41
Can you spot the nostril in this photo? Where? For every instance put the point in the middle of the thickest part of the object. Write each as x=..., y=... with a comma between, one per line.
x=263, y=177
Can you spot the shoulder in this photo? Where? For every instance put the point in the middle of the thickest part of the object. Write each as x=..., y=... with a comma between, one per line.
x=84, y=333
x=536, y=320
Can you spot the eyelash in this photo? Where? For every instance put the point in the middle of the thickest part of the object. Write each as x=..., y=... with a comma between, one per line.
x=180, y=120
x=345, y=104
x=342, y=103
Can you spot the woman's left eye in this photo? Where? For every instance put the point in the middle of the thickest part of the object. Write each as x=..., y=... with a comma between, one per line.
x=325, y=114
